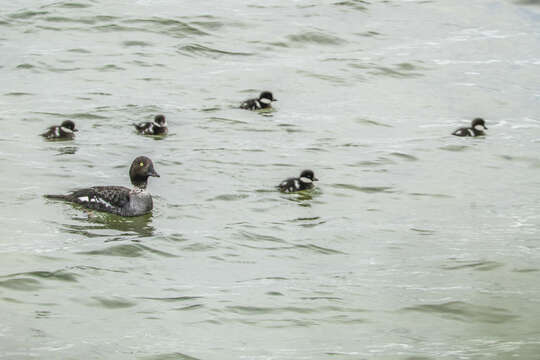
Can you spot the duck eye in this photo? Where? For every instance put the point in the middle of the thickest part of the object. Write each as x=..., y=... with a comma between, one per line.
x=141, y=164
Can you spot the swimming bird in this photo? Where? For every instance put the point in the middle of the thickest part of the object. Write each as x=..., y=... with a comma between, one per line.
x=475, y=130
x=304, y=182
x=263, y=102
x=158, y=127
x=118, y=200
x=66, y=131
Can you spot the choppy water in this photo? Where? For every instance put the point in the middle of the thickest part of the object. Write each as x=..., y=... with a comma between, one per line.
x=416, y=244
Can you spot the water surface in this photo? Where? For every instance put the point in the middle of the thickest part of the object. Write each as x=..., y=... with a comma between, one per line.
x=415, y=245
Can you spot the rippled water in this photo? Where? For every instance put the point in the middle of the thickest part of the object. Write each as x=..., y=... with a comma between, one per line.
x=415, y=245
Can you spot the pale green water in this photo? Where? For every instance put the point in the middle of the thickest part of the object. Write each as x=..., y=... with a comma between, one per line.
x=416, y=244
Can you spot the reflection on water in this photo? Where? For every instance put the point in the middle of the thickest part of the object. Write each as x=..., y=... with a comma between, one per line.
x=141, y=225
x=96, y=224
x=67, y=150
x=304, y=198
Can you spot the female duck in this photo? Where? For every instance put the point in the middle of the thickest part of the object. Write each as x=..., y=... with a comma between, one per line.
x=118, y=200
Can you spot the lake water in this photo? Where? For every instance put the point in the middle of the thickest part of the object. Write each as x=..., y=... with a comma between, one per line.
x=415, y=245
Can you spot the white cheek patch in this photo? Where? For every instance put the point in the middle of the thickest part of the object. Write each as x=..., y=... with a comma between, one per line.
x=305, y=180
x=66, y=130
x=83, y=198
x=265, y=101
x=478, y=127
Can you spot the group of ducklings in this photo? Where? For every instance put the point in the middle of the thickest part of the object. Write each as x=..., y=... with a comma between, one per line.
x=137, y=201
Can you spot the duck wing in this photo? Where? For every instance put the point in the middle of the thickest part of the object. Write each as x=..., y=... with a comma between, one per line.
x=146, y=128
x=102, y=198
x=463, y=132
x=251, y=104
x=289, y=185
x=51, y=132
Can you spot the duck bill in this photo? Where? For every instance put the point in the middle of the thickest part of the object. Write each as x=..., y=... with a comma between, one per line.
x=315, y=179
x=152, y=172
x=485, y=127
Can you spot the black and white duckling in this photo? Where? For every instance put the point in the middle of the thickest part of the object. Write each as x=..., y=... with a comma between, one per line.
x=304, y=182
x=66, y=130
x=263, y=102
x=118, y=200
x=158, y=127
x=476, y=129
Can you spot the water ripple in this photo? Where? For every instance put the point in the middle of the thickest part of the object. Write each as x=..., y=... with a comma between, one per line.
x=169, y=26
x=313, y=37
x=319, y=249
x=21, y=284
x=173, y=299
x=205, y=51
x=404, y=70
x=353, y=4
x=169, y=356
x=27, y=14
x=259, y=237
x=478, y=266
x=60, y=275
x=112, y=303
x=365, y=189
x=462, y=311
x=371, y=122
x=128, y=250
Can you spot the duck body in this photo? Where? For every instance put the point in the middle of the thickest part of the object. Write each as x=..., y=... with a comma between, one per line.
x=158, y=127
x=477, y=128
x=264, y=101
x=294, y=184
x=118, y=200
x=65, y=131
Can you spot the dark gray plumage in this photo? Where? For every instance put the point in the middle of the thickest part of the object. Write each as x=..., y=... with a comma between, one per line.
x=118, y=200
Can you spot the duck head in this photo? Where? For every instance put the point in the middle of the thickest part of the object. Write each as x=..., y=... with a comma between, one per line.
x=266, y=97
x=307, y=176
x=141, y=168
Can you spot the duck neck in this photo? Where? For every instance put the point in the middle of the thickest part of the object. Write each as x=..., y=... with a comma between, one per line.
x=139, y=182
